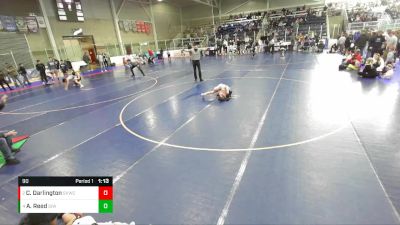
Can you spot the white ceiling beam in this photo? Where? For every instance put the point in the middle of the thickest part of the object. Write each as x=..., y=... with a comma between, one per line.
x=120, y=6
x=141, y=1
x=237, y=6
x=207, y=2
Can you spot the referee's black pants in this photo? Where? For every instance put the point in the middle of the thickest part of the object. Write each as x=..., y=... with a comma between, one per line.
x=196, y=64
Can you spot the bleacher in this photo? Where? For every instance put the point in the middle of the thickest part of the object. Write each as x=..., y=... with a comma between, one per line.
x=315, y=24
x=394, y=10
x=371, y=16
x=239, y=28
x=288, y=24
x=283, y=23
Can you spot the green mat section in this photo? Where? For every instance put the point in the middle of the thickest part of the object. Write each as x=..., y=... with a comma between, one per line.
x=2, y=160
x=18, y=145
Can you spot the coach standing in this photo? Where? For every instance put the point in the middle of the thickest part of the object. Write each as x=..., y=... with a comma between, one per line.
x=42, y=71
x=195, y=56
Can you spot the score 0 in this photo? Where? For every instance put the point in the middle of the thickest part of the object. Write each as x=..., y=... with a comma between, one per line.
x=105, y=199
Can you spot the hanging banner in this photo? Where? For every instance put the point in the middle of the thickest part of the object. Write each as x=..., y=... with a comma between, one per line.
x=8, y=23
x=147, y=28
x=131, y=25
x=126, y=25
x=31, y=24
x=134, y=27
x=40, y=21
x=140, y=26
x=21, y=24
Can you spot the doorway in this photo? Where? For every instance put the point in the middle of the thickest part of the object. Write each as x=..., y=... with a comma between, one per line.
x=76, y=46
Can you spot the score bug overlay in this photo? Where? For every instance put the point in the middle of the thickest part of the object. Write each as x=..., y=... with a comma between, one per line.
x=65, y=194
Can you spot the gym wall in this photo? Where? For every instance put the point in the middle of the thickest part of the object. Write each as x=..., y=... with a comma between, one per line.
x=37, y=41
x=98, y=22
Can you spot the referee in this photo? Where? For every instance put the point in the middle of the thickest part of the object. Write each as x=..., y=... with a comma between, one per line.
x=195, y=56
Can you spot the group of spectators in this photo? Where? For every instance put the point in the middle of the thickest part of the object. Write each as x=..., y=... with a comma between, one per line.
x=288, y=21
x=239, y=29
x=19, y=76
x=335, y=8
x=198, y=31
x=237, y=36
x=9, y=74
x=393, y=10
x=308, y=42
x=371, y=53
x=103, y=60
x=363, y=12
x=255, y=15
x=53, y=67
x=280, y=22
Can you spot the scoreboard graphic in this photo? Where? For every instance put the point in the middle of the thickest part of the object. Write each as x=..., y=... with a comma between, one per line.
x=65, y=194
x=70, y=10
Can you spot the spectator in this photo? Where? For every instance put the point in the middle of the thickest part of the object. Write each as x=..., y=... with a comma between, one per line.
x=334, y=48
x=42, y=71
x=100, y=58
x=4, y=81
x=361, y=42
x=378, y=44
x=105, y=60
x=387, y=73
x=341, y=43
x=6, y=139
x=86, y=58
x=52, y=67
x=64, y=68
x=369, y=71
x=391, y=42
x=22, y=71
x=12, y=72
x=378, y=62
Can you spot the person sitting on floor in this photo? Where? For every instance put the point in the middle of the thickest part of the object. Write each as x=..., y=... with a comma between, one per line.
x=355, y=61
x=6, y=139
x=351, y=61
x=390, y=58
x=334, y=48
x=223, y=92
x=387, y=72
x=320, y=46
x=379, y=63
x=369, y=71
